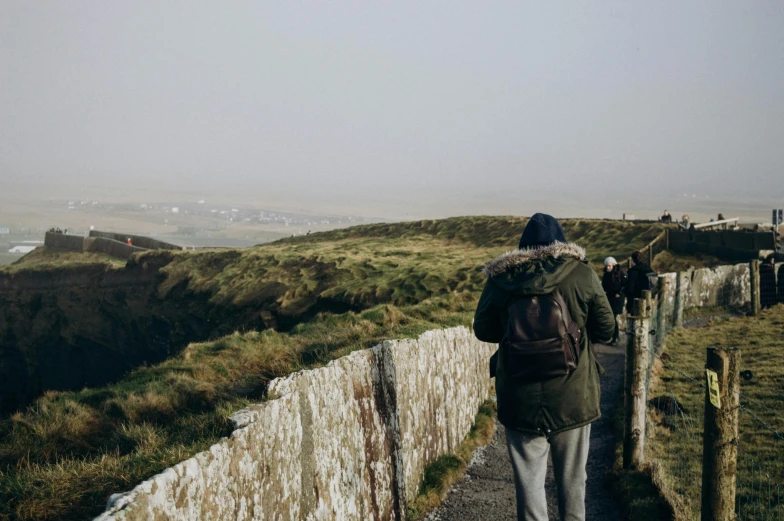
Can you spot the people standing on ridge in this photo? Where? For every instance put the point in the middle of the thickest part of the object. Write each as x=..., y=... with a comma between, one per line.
x=637, y=280
x=545, y=293
x=129, y=242
x=686, y=223
x=614, y=285
x=666, y=218
x=767, y=277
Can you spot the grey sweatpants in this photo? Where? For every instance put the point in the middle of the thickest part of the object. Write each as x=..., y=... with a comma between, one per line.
x=528, y=453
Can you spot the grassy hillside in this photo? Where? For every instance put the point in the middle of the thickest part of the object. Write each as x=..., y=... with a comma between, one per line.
x=668, y=262
x=320, y=296
x=54, y=257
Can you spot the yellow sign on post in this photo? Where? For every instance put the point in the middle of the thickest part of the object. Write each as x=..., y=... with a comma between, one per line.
x=713, y=388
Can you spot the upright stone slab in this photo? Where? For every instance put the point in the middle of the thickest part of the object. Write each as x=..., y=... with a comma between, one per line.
x=440, y=381
x=347, y=448
x=727, y=286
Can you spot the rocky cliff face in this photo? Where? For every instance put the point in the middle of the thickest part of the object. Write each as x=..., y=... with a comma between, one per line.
x=71, y=327
x=67, y=327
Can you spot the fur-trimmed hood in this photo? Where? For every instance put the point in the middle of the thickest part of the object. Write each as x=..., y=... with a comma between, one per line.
x=513, y=259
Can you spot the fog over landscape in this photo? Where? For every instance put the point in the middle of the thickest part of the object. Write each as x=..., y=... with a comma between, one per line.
x=404, y=110
x=350, y=260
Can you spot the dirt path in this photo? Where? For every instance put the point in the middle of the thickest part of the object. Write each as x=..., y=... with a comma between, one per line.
x=487, y=492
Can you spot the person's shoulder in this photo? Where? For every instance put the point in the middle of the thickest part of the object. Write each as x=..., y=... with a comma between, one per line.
x=583, y=271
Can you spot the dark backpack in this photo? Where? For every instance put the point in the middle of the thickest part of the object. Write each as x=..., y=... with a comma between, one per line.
x=541, y=339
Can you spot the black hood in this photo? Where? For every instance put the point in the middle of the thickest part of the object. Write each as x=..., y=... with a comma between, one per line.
x=541, y=230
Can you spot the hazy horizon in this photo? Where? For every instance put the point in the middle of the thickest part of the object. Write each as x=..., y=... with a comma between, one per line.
x=399, y=111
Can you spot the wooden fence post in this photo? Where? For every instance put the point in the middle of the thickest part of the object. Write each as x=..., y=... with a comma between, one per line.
x=650, y=253
x=645, y=307
x=661, y=315
x=647, y=296
x=754, y=278
x=720, y=449
x=635, y=396
x=667, y=239
x=680, y=297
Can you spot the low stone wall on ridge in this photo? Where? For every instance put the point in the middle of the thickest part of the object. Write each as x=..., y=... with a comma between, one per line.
x=347, y=441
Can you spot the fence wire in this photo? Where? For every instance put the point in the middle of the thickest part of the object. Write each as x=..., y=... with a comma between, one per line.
x=759, y=489
x=675, y=441
x=674, y=433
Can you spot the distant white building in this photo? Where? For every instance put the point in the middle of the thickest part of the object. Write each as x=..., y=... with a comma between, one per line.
x=5, y=231
x=22, y=249
x=175, y=209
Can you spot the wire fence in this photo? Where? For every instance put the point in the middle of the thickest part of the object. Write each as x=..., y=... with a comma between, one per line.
x=677, y=390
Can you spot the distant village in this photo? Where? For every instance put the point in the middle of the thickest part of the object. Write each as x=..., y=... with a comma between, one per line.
x=193, y=224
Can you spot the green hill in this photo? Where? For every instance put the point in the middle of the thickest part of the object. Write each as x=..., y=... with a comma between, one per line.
x=301, y=301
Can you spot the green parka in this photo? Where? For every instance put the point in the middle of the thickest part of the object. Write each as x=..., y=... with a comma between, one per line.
x=562, y=403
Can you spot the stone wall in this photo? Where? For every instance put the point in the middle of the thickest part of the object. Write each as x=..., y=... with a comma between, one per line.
x=722, y=286
x=347, y=441
x=725, y=286
x=111, y=247
x=64, y=242
x=137, y=240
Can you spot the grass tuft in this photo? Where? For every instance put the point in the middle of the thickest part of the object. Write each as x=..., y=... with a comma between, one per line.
x=448, y=469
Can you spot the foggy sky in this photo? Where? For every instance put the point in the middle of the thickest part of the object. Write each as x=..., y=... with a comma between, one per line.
x=430, y=107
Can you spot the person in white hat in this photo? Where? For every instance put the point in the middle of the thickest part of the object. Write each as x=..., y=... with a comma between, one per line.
x=614, y=283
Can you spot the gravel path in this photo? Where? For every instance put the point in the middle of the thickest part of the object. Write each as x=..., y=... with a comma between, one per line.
x=487, y=491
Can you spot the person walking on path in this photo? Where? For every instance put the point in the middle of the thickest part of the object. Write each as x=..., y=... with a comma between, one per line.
x=637, y=281
x=666, y=218
x=780, y=277
x=545, y=406
x=614, y=285
x=767, y=275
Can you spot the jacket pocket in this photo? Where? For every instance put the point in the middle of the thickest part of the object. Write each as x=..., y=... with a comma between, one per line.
x=540, y=360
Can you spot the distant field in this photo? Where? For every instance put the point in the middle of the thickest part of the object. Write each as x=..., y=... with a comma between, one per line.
x=676, y=441
x=331, y=293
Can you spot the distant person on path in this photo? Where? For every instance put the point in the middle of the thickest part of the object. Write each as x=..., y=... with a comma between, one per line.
x=686, y=223
x=781, y=283
x=637, y=281
x=767, y=274
x=544, y=293
x=666, y=218
x=614, y=285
